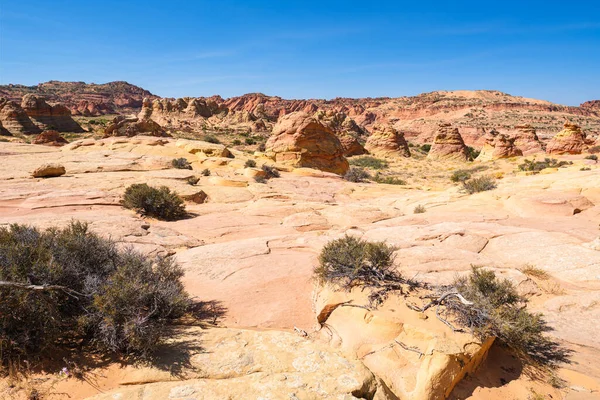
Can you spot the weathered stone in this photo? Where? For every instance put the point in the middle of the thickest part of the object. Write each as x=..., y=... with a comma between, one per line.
x=571, y=140
x=498, y=145
x=448, y=145
x=386, y=140
x=48, y=171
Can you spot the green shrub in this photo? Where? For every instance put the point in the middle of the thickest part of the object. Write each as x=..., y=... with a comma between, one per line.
x=211, y=139
x=585, y=169
x=536, y=166
x=472, y=154
x=591, y=157
x=159, y=203
x=388, y=180
x=356, y=174
x=425, y=148
x=236, y=142
x=498, y=311
x=87, y=292
x=460, y=175
x=479, y=184
x=181, y=163
x=368, y=162
x=205, y=172
x=420, y=209
x=271, y=172
x=249, y=141
x=250, y=164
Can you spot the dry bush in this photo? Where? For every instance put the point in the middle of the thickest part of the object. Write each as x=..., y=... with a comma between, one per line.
x=250, y=164
x=480, y=184
x=388, y=180
x=356, y=174
x=181, y=163
x=420, y=209
x=270, y=171
x=160, y=202
x=368, y=162
x=532, y=270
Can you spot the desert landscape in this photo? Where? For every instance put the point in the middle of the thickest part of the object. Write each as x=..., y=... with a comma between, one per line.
x=447, y=187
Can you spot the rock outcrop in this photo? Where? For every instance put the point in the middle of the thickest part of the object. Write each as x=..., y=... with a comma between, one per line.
x=122, y=126
x=498, y=145
x=15, y=120
x=49, y=171
x=571, y=140
x=49, y=117
x=345, y=128
x=448, y=145
x=50, y=138
x=526, y=140
x=386, y=140
x=299, y=140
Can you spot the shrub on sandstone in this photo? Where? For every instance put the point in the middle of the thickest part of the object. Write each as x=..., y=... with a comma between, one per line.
x=472, y=153
x=181, y=163
x=249, y=141
x=536, y=166
x=250, y=164
x=480, y=184
x=368, y=162
x=388, y=180
x=425, y=148
x=159, y=203
x=420, y=209
x=356, y=174
x=460, y=175
x=192, y=180
x=64, y=288
x=205, y=172
x=271, y=172
x=591, y=157
x=594, y=149
x=211, y=139
x=236, y=142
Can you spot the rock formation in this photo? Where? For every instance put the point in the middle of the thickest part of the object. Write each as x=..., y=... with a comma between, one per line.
x=498, y=145
x=386, y=140
x=50, y=138
x=15, y=120
x=122, y=126
x=448, y=145
x=49, y=117
x=345, y=128
x=571, y=140
x=301, y=141
x=48, y=171
x=527, y=140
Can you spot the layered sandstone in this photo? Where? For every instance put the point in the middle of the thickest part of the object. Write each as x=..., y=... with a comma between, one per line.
x=15, y=120
x=49, y=117
x=498, y=145
x=448, y=144
x=129, y=127
x=526, y=140
x=571, y=140
x=299, y=140
x=386, y=140
x=345, y=128
x=50, y=138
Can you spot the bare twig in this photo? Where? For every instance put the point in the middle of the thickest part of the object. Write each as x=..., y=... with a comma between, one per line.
x=24, y=286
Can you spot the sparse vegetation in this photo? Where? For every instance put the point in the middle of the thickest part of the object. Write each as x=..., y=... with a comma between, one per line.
x=262, y=147
x=260, y=179
x=425, y=148
x=205, y=172
x=536, y=166
x=420, y=209
x=250, y=164
x=181, y=163
x=591, y=157
x=159, y=203
x=67, y=288
x=249, y=141
x=460, y=175
x=192, y=180
x=388, y=180
x=472, y=154
x=211, y=139
x=236, y=142
x=270, y=171
x=532, y=270
x=480, y=184
x=585, y=169
x=356, y=174
x=368, y=162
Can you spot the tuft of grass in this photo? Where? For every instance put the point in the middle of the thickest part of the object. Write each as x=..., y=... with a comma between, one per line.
x=250, y=164
x=585, y=169
x=181, y=163
x=356, y=174
x=420, y=209
x=159, y=202
x=532, y=270
x=460, y=175
x=388, y=180
x=480, y=184
x=205, y=172
x=368, y=162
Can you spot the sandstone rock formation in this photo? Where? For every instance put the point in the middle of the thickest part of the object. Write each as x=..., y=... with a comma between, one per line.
x=49, y=117
x=386, y=140
x=448, y=145
x=48, y=171
x=345, y=128
x=301, y=141
x=498, y=145
x=527, y=140
x=571, y=140
x=15, y=120
x=122, y=126
x=50, y=138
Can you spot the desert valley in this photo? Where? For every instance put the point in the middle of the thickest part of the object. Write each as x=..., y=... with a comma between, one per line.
x=440, y=189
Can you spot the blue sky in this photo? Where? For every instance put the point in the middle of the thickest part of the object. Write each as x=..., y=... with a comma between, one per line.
x=308, y=49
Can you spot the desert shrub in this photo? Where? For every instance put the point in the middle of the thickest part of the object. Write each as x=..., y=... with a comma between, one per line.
x=480, y=184
x=472, y=153
x=460, y=175
x=205, y=172
x=249, y=141
x=388, y=180
x=250, y=164
x=532, y=270
x=159, y=203
x=497, y=310
x=181, y=163
x=594, y=149
x=192, y=180
x=368, y=162
x=270, y=171
x=260, y=179
x=87, y=292
x=236, y=142
x=420, y=209
x=425, y=148
x=585, y=169
x=536, y=166
x=356, y=174
x=211, y=139
x=591, y=157
x=262, y=147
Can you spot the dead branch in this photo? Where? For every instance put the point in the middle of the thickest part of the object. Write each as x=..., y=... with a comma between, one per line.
x=25, y=286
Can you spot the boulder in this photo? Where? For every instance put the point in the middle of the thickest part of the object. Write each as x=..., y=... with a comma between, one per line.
x=345, y=128
x=526, y=140
x=448, y=144
x=49, y=117
x=299, y=140
x=498, y=145
x=49, y=171
x=50, y=138
x=15, y=120
x=571, y=140
x=386, y=140
x=122, y=126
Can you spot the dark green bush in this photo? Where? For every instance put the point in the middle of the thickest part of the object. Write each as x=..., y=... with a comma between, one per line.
x=181, y=163
x=368, y=162
x=64, y=288
x=472, y=153
x=249, y=141
x=480, y=184
x=425, y=148
x=250, y=164
x=356, y=174
x=236, y=142
x=159, y=203
x=270, y=171
x=536, y=166
x=460, y=175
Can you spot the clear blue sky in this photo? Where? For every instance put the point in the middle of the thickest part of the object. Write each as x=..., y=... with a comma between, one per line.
x=308, y=49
